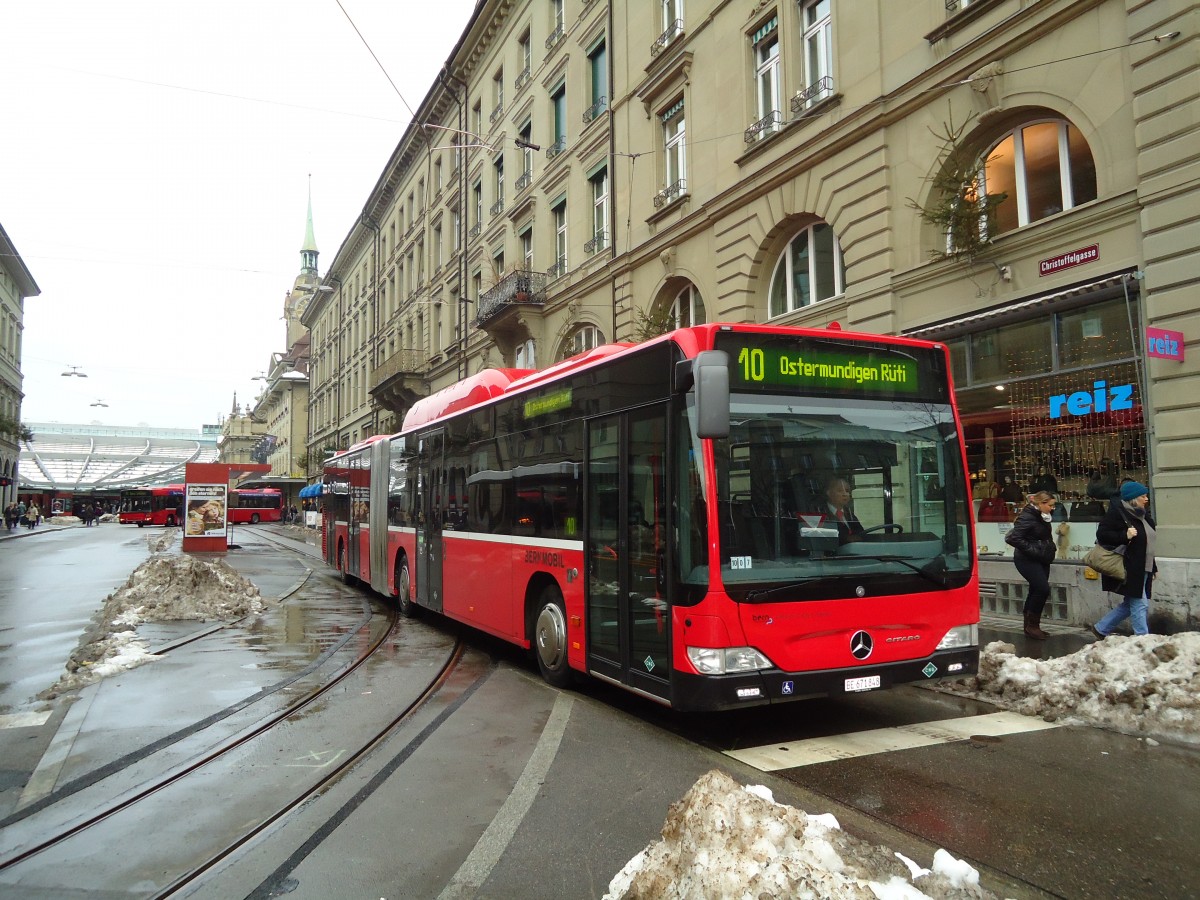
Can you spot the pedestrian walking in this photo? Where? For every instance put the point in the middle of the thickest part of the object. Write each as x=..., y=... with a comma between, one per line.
x=11, y=516
x=32, y=514
x=1032, y=540
x=1128, y=524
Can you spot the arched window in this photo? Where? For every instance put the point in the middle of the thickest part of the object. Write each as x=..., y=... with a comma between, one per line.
x=1044, y=167
x=586, y=337
x=809, y=270
x=688, y=308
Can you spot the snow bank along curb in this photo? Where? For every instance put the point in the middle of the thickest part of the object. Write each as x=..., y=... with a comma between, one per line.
x=165, y=588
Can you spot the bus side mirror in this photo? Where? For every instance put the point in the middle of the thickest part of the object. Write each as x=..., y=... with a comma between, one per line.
x=711, y=372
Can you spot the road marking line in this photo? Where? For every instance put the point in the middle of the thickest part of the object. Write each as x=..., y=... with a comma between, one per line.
x=771, y=758
x=495, y=839
x=24, y=720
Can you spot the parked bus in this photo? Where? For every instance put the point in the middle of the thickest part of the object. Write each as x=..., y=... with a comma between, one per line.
x=659, y=515
x=255, y=505
x=151, y=506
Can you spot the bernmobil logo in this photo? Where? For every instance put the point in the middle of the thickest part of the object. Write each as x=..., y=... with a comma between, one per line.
x=1102, y=398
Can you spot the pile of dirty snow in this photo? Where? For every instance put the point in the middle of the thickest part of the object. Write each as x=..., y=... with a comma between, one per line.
x=1143, y=685
x=165, y=588
x=723, y=840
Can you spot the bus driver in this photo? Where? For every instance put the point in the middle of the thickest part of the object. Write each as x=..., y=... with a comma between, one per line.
x=837, y=510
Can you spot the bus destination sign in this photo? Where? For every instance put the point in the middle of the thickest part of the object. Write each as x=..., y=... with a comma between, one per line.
x=823, y=370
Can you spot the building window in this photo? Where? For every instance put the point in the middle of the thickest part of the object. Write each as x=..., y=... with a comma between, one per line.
x=558, y=103
x=477, y=119
x=768, y=113
x=598, y=64
x=560, y=240
x=525, y=55
x=674, y=135
x=497, y=96
x=599, y=183
x=557, y=24
x=809, y=270
x=688, y=308
x=1043, y=168
x=587, y=337
x=817, y=21
x=526, y=239
x=498, y=186
x=672, y=25
x=525, y=143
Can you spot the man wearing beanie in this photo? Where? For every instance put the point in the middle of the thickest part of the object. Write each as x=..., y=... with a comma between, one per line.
x=1128, y=524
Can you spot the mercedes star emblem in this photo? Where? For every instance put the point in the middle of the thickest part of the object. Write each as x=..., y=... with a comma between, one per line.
x=861, y=645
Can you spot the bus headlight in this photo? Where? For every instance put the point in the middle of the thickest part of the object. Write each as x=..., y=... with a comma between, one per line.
x=962, y=636
x=723, y=660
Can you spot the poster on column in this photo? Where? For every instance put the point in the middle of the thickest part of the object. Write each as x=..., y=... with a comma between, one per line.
x=206, y=506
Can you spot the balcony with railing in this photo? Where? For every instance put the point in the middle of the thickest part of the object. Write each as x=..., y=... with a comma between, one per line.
x=497, y=207
x=674, y=30
x=497, y=114
x=670, y=194
x=555, y=36
x=558, y=269
x=475, y=229
x=593, y=111
x=556, y=148
x=523, y=287
x=524, y=180
x=399, y=381
x=764, y=127
x=815, y=92
x=523, y=78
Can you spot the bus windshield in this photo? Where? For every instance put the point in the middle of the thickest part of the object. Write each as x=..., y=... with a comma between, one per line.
x=821, y=498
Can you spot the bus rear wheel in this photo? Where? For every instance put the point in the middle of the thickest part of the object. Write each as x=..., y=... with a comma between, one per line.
x=170, y=521
x=253, y=518
x=550, y=638
x=347, y=578
x=404, y=598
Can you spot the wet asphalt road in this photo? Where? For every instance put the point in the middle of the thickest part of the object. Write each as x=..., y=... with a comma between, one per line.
x=505, y=788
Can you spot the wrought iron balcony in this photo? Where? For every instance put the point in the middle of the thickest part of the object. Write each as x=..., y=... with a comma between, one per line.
x=764, y=127
x=522, y=78
x=818, y=90
x=670, y=194
x=555, y=36
x=525, y=180
x=596, y=244
x=594, y=110
x=673, y=31
x=523, y=287
x=497, y=207
x=556, y=148
x=475, y=229
x=497, y=114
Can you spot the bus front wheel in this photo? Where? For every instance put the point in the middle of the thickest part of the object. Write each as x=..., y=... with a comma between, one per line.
x=347, y=578
x=253, y=518
x=404, y=589
x=550, y=638
x=170, y=521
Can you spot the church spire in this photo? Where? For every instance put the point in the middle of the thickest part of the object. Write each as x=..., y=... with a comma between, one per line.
x=308, y=253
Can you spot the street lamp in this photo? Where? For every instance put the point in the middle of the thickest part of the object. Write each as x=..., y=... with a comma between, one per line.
x=74, y=371
x=99, y=403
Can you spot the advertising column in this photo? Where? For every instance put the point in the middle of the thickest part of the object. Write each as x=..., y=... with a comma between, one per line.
x=205, y=513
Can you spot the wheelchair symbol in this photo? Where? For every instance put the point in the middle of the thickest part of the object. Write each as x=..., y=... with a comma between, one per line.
x=788, y=687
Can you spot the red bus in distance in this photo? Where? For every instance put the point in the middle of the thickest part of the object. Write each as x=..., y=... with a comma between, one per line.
x=665, y=516
x=251, y=506
x=151, y=505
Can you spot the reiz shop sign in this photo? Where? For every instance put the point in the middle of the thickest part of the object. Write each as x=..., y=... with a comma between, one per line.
x=1102, y=398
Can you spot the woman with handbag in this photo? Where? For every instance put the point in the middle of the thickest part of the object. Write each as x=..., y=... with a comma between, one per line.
x=1128, y=524
x=1032, y=540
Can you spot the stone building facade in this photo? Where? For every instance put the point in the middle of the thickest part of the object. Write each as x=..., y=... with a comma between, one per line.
x=16, y=283
x=584, y=172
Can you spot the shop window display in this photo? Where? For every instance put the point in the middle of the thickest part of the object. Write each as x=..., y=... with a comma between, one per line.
x=1052, y=404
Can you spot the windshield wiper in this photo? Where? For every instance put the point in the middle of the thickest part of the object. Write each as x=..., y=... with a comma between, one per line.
x=753, y=595
x=940, y=581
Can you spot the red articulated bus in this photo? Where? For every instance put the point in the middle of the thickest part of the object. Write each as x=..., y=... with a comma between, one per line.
x=665, y=516
x=151, y=506
x=254, y=506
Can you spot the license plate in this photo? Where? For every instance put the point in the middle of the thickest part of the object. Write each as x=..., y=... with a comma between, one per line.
x=862, y=684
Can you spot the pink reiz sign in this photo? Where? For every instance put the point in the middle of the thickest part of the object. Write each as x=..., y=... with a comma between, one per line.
x=1164, y=344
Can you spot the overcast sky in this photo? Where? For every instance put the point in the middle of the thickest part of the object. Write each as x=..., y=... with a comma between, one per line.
x=153, y=178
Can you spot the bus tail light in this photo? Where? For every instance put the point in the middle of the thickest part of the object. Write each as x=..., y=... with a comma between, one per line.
x=962, y=636
x=724, y=660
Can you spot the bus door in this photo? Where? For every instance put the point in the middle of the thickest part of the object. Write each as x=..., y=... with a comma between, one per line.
x=627, y=603
x=432, y=489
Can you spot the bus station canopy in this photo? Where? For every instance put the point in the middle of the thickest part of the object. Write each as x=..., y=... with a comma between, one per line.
x=84, y=458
